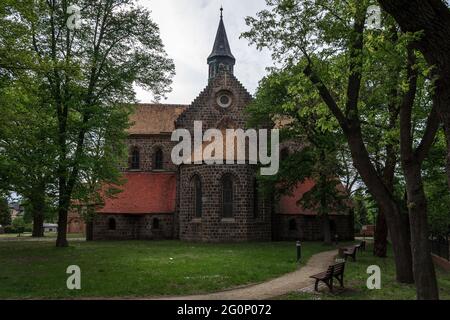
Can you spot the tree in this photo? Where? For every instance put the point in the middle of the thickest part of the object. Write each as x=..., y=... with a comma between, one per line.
x=315, y=158
x=413, y=155
x=430, y=18
x=296, y=35
x=27, y=146
x=5, y=213
x=340, y=32
x=435, y=184
x=87, y=73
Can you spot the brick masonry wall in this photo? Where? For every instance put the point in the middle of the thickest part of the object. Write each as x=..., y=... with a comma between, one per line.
x=206, y=108
x=147, y=146
x=212, y=227
x=309, y=228
x=133, y=227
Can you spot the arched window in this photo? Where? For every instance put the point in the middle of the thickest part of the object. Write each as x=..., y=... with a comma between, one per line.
x=255, y=199
x=292, y=225
x=112, y=224
x=159, y=160
x=198, y=197
x=155, y=223
x=135, y=159
x=227, y=196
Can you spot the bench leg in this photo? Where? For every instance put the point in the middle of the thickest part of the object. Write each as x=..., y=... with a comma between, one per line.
x=341, y=280
x=316, y=286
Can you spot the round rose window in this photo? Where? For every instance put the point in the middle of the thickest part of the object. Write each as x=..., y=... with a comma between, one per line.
x=224, y=99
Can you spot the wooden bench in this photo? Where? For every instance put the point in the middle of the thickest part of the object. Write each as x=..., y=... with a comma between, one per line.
x=361, y=246
x=350, y=252
x=334, y=271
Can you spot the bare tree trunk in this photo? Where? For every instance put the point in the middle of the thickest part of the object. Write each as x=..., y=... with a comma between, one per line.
x=395, y=220
x=37, y=202
x=38, y=224
x=61, y=240
x=380, y=237
x=424, y=273
x=326, y=227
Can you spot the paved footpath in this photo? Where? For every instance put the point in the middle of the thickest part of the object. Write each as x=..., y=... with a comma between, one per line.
x=277, y=287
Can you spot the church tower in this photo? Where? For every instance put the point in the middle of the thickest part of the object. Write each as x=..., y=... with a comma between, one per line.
x=221, y=54
x=218, y=202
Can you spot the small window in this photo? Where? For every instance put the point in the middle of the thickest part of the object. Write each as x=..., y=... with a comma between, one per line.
x=292, y=225
x=155, y=223
x=112, y=224
x=198, y=197
x=135, y=159
x=227, y=197
x=159, y=159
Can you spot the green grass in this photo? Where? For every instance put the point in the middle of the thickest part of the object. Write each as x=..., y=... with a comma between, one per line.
x=46, y=235
x=356, y=277
x=139, y=268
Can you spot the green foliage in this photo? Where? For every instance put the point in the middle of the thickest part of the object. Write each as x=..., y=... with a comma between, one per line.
x=68, y=94
x=319, y=36
x=5, y=213
x=18, y=226
x=278, y=100
x=436, y=187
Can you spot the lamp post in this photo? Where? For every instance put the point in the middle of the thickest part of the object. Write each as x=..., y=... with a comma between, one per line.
x=299, y=251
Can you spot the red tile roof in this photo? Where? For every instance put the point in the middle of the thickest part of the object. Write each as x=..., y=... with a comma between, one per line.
x=144, y=193
x=288, y=204
x=155, y=118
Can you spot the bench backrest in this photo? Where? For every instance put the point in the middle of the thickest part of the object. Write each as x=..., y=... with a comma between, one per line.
x=352, y=250
x=339, y=268
x=330, y=271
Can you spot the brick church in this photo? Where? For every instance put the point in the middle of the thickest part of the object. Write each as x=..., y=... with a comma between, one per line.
x=210, y=203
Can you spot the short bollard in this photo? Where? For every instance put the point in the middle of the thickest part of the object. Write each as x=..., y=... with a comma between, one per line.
x=336, y=239
x=299, y=251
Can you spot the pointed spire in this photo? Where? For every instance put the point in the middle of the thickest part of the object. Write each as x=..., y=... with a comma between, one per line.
x=221, y=53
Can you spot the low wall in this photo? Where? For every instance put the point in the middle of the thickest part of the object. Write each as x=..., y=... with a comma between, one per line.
x=133, y=227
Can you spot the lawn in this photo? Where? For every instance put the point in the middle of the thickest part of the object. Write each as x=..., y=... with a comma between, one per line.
x=140, y=268
x=27, y=235
x=356, y=277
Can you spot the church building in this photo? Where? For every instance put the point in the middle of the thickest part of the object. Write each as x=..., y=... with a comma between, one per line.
x=200, y=202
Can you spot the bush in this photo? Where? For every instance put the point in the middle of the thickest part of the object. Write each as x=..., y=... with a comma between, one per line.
x=18, y=226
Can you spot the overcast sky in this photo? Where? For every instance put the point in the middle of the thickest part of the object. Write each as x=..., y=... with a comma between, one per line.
x=188, y=29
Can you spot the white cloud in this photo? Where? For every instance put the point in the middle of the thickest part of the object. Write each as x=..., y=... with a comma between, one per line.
x=188, y=29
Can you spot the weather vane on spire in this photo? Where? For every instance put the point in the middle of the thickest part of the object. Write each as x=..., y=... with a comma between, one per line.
x=221, y=12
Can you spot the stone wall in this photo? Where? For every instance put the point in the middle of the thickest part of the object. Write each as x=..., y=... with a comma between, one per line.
x=147, y=146
x=212, y=226
x=133, y=227
x=309, y=227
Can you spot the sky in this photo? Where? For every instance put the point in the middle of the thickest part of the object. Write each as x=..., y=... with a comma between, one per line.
x=188, y=29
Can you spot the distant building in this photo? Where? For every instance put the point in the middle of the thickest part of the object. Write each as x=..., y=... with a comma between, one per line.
x=16, y=210
x=50, y=227
x=75, y=223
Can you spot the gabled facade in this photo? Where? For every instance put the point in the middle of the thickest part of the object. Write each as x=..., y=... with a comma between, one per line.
x=212, y=203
